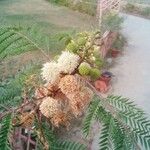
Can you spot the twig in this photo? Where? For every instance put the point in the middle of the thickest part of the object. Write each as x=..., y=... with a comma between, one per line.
x=17, y=109
x=82, y=58
x=21, y=34
x=4, y=107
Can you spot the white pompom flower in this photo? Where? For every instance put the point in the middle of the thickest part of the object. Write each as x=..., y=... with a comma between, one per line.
x=50, y=72
x=68, y=62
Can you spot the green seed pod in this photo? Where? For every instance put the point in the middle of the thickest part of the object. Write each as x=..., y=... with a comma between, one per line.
x=95, y=73
x=84, y=69
x=72, y=47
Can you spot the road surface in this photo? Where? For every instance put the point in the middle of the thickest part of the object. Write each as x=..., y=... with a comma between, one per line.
x=133, y=68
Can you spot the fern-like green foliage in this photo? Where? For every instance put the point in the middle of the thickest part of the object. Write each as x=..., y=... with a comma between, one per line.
x=17, y=40
x=124, y=126
x=115, y=136
x=11, y=89
x=105, y=138
x=4, y=132
x=68, y=145
x=134, y=118
x=90, y=117
x=111, y=22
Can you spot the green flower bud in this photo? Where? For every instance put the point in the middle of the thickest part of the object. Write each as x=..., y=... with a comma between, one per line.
x=72, y=47
x=84, y=69
x=99, y=62
x=95, y=73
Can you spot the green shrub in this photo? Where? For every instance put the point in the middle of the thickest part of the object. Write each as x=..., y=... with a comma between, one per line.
x=85, y=6
x=119, y=42
x=111, y=22
x=140, y=10
x=60, y=2
x=146, y=12
x=130, y=7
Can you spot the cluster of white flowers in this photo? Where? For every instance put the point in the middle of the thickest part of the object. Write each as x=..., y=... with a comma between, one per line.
x=67, y=62
x=50, y=72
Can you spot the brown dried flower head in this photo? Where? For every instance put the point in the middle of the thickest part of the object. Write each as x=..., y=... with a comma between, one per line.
x=76, y=107
x=79, y=100
x=69, y=84
x=87, y=95
x=60, y=96
x=49, y=107
x=60, y=119
x=42, y=92
x=26, y=120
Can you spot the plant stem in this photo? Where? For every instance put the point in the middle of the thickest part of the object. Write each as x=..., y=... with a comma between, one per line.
x=4, y=107
x=32, y=42
x=2, y=115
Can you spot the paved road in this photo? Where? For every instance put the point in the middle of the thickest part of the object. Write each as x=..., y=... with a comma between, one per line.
x=133, y=68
